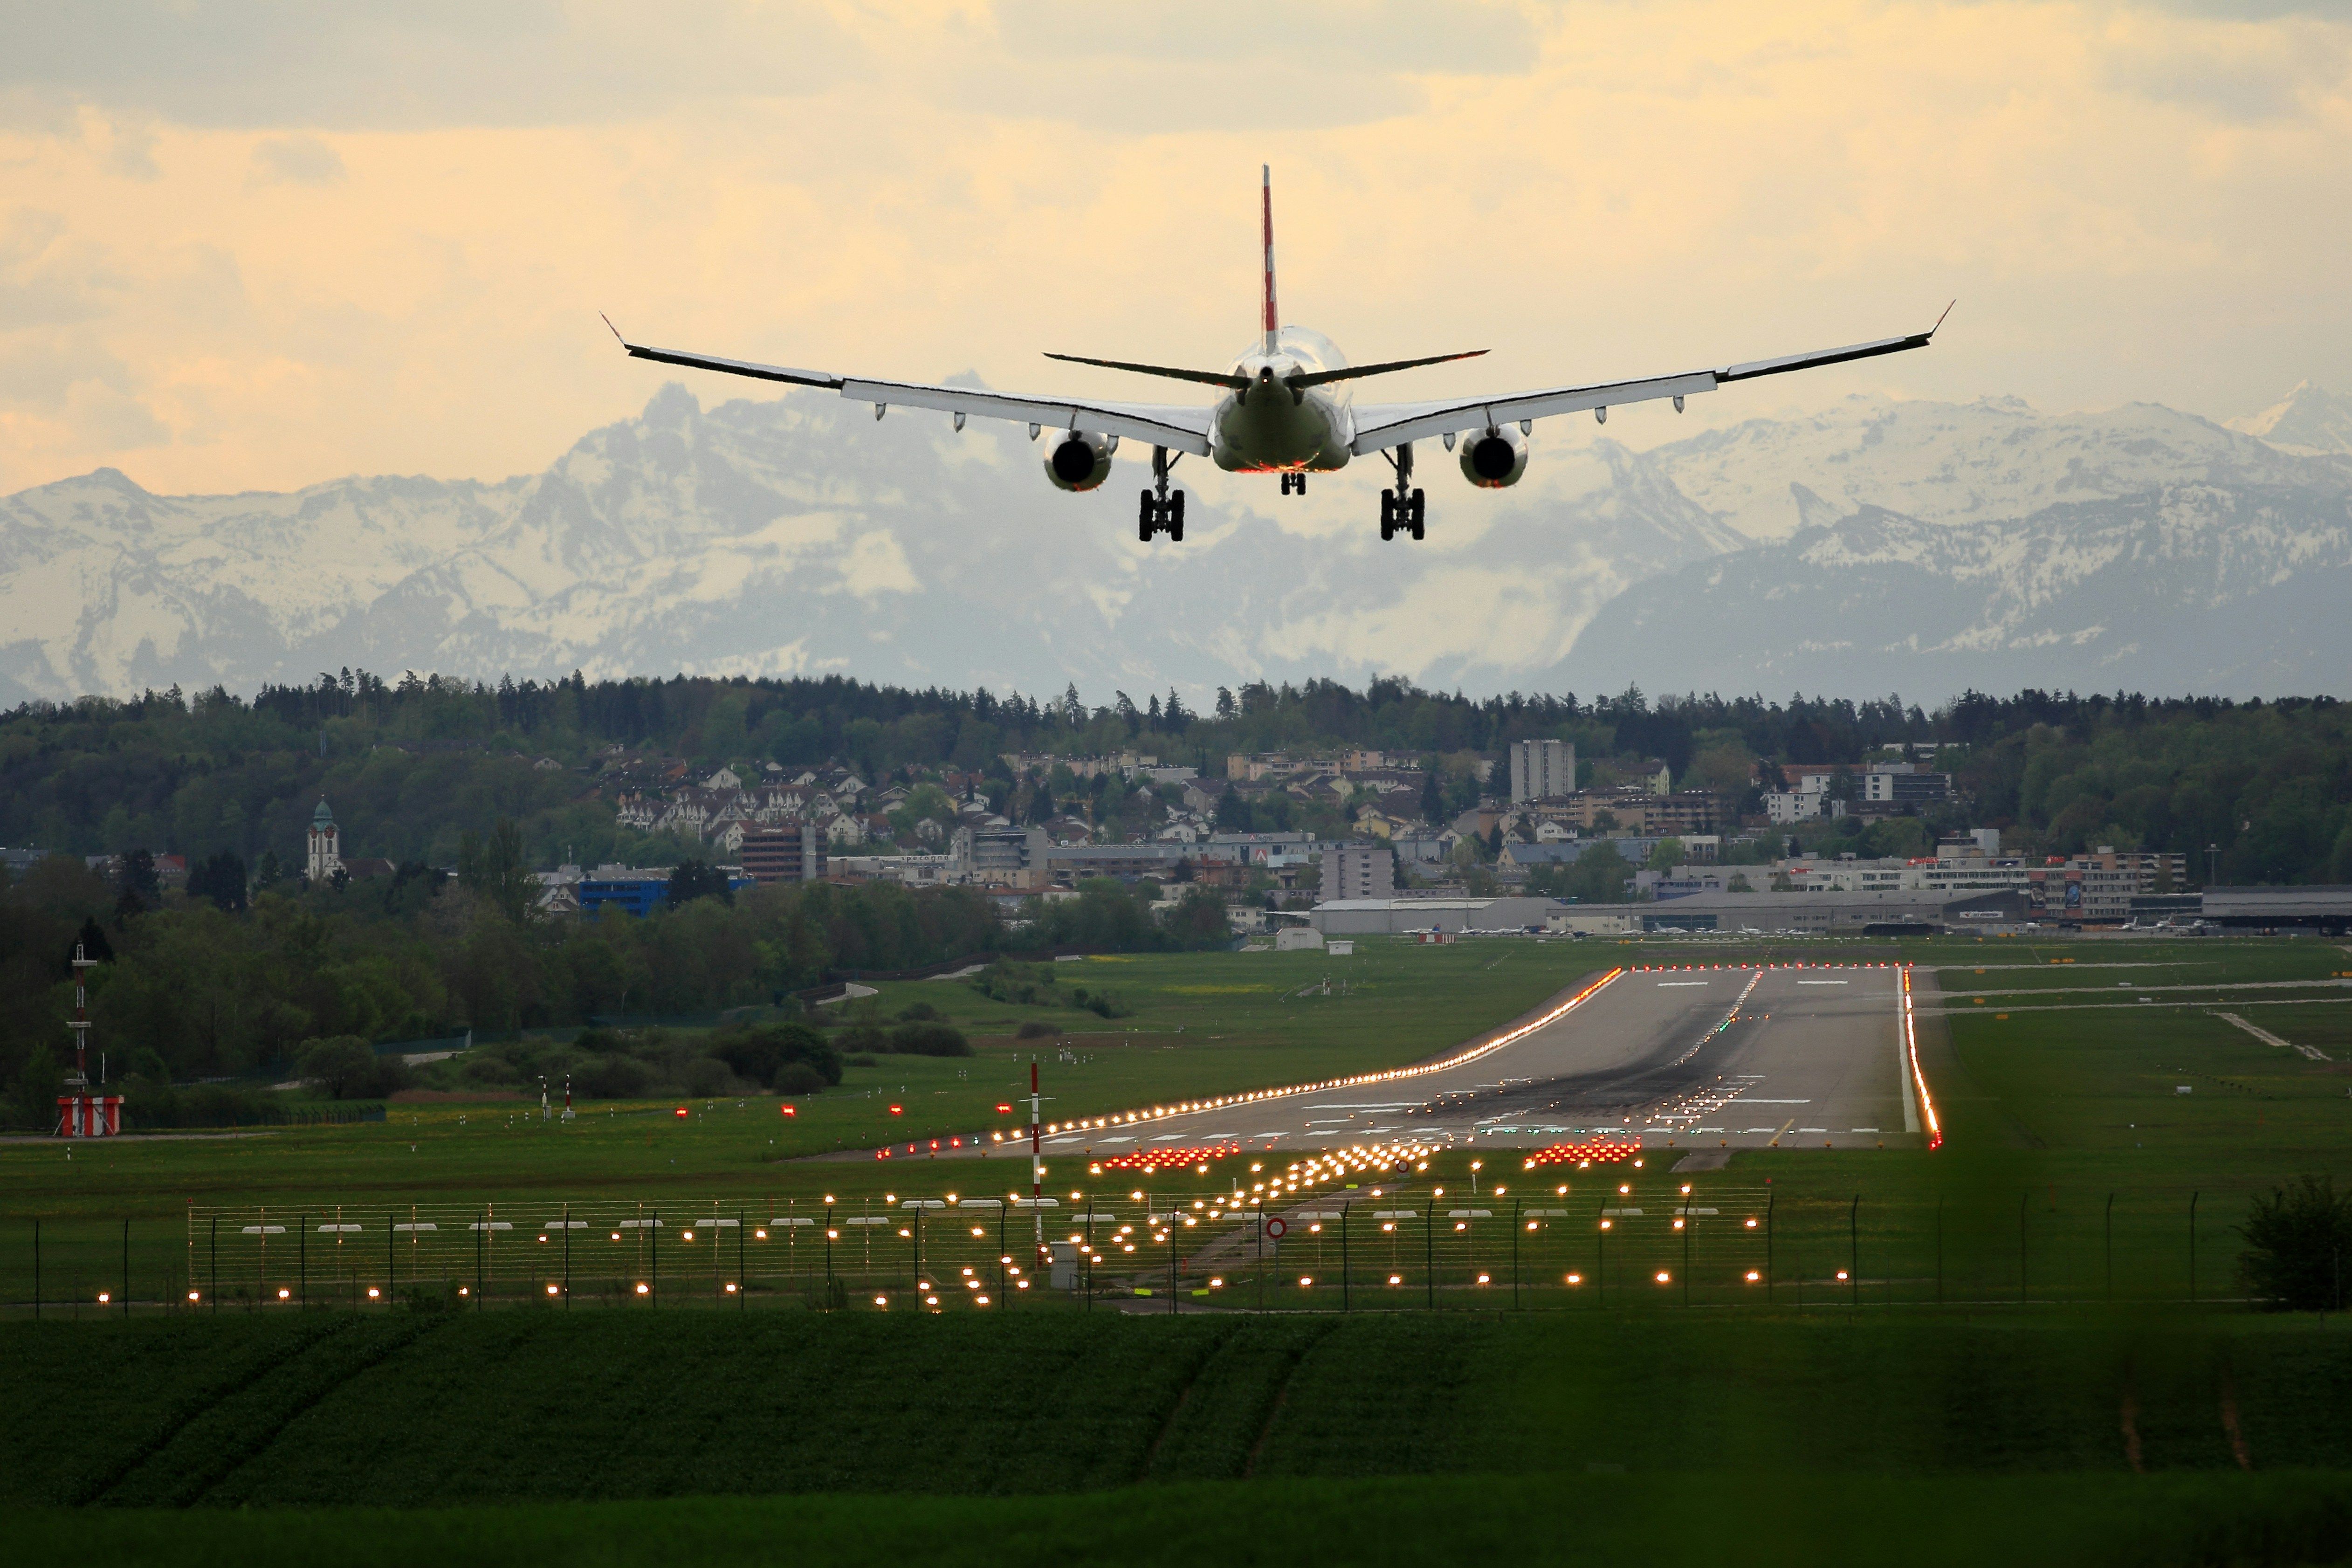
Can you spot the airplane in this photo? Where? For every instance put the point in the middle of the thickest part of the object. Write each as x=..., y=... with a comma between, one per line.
x=1285, y=409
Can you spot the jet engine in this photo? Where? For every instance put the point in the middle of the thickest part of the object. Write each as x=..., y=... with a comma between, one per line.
x=1079, y=460
x=1494, y=458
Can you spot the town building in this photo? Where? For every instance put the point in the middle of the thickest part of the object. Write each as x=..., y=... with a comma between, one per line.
x=1397, y=917
x=1541, y=769
x=1349, y=872
x=786, y=852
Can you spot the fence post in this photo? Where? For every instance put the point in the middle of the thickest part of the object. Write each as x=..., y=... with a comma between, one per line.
x=567, y=1258
x=653, y=1251
x=2192, y=1246
x=1516, y=1203
x=1939, y=1249
x=216, y=1263
x=481, y=1231
x=37, y=1269
x=1429, y=1250
x=301, y=1261
x=126, y=1268
x=1344, y=1207
x=742, y=1280
x=1686, y=1218
x=391, y=1255
x=1770, y=1199
x=2022, y=1198
x=2111, y=1246
x=1853, y=1249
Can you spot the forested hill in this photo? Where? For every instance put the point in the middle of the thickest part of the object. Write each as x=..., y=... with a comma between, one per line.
x=411, y=766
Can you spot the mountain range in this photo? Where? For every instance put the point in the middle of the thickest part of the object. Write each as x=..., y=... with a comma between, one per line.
x=1877, y=545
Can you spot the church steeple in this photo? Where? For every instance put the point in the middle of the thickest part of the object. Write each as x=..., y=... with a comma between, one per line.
x=326, y=846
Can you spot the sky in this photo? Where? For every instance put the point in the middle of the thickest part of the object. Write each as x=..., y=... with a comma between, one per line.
x=258, y=244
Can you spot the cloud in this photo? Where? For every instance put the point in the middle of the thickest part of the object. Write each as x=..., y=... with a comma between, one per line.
x=297, y=160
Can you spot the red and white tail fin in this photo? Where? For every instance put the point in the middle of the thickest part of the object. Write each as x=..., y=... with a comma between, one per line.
x=1271, y=321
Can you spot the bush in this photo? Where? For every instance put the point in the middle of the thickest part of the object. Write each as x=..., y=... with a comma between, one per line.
x=864, y=1061
x=760, y=1053
x=864, y=1039
x=929, y=1040
x=600, y=1040
x=1035, y=1029
x=795, y=1079
x=708, y=1076
x=342, y=1064
x=617, y=1077
x=1102, y=1004
x=2298, y=1242
x=918, y=1013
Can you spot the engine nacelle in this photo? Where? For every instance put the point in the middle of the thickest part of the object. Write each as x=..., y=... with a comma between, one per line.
x=1492, y=459
x=1079, y=460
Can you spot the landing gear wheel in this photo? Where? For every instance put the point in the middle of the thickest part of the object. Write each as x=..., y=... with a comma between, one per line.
x=1298, y=484
x=1176, y=517
x=1388, y=515
x=1420, y=512
x=1146, y=523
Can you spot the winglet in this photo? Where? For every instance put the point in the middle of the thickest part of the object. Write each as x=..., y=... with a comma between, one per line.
x=612, y=329
x=1940, y=320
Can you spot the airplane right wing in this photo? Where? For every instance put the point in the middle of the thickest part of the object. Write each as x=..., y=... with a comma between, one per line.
x=1176, y=426
x=1380, y=427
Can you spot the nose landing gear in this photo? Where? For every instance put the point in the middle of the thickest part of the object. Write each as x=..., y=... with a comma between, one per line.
x=1402, y=509
x=1162, y=509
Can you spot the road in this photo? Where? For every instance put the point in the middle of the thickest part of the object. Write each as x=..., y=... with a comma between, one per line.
x=1733, y=1057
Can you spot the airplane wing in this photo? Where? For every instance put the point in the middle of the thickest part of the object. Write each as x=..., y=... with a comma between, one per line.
x=1380, y=427
x=1178, y=427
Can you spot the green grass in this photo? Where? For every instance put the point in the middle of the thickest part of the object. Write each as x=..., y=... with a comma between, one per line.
x=438, y=1410
x=1690, y=1517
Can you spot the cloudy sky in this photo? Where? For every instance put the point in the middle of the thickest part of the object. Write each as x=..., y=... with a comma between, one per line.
x=258, y=243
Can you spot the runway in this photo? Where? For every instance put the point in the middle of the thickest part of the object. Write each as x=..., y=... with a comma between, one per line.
x=1734, y=1056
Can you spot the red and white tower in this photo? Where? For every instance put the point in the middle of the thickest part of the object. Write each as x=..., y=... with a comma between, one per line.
x=81, y=1114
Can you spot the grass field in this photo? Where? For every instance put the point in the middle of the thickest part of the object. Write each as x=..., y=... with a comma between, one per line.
x=1692, y=1517
x=443, y=1409
x=1392, y=1439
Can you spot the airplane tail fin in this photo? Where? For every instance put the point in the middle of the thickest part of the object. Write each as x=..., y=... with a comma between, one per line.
x=1266, y=172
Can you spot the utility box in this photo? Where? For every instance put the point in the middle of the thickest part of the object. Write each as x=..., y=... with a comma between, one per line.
x=1064, y=1273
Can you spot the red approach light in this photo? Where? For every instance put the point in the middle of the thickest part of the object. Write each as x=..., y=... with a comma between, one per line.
x=679, y=1111
x=935, y=1146
x=1003, y=1109
x=895, y=1110
x=789, y=1111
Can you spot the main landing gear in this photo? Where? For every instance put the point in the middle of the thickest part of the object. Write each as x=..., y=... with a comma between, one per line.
x=1402, y=509
x=1162, y=509
x=1294, y=484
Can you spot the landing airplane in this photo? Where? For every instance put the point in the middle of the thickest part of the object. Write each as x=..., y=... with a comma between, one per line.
x=1286, y=410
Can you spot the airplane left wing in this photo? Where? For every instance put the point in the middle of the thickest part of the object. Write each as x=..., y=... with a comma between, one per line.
x=1175, y=426
x=1380, y=427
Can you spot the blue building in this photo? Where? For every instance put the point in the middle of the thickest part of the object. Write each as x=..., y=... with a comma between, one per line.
x=640, y=891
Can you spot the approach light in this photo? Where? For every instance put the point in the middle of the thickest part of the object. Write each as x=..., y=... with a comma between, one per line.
x=641, y=1287
x=1576, y=1278
x=1753, y=1276
x=372, y=1294
x=1662, y=1276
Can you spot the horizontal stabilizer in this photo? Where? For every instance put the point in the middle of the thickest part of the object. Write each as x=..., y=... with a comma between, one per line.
x=1208, y=377
x=1350, y=372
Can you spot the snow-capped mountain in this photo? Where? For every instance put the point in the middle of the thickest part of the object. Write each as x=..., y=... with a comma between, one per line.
x=2310, y=420
x=1929, y=546
x=2188, y=588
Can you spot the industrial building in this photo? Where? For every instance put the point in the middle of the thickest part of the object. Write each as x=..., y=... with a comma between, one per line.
x=2001, y=912
x=1398, y=917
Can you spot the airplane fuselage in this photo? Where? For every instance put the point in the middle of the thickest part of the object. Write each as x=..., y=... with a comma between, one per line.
x=1269, y=428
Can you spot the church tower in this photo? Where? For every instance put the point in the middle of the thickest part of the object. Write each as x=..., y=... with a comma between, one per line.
x=326, y=856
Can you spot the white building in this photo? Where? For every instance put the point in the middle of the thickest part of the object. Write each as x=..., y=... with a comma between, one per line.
x=1541, y=769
